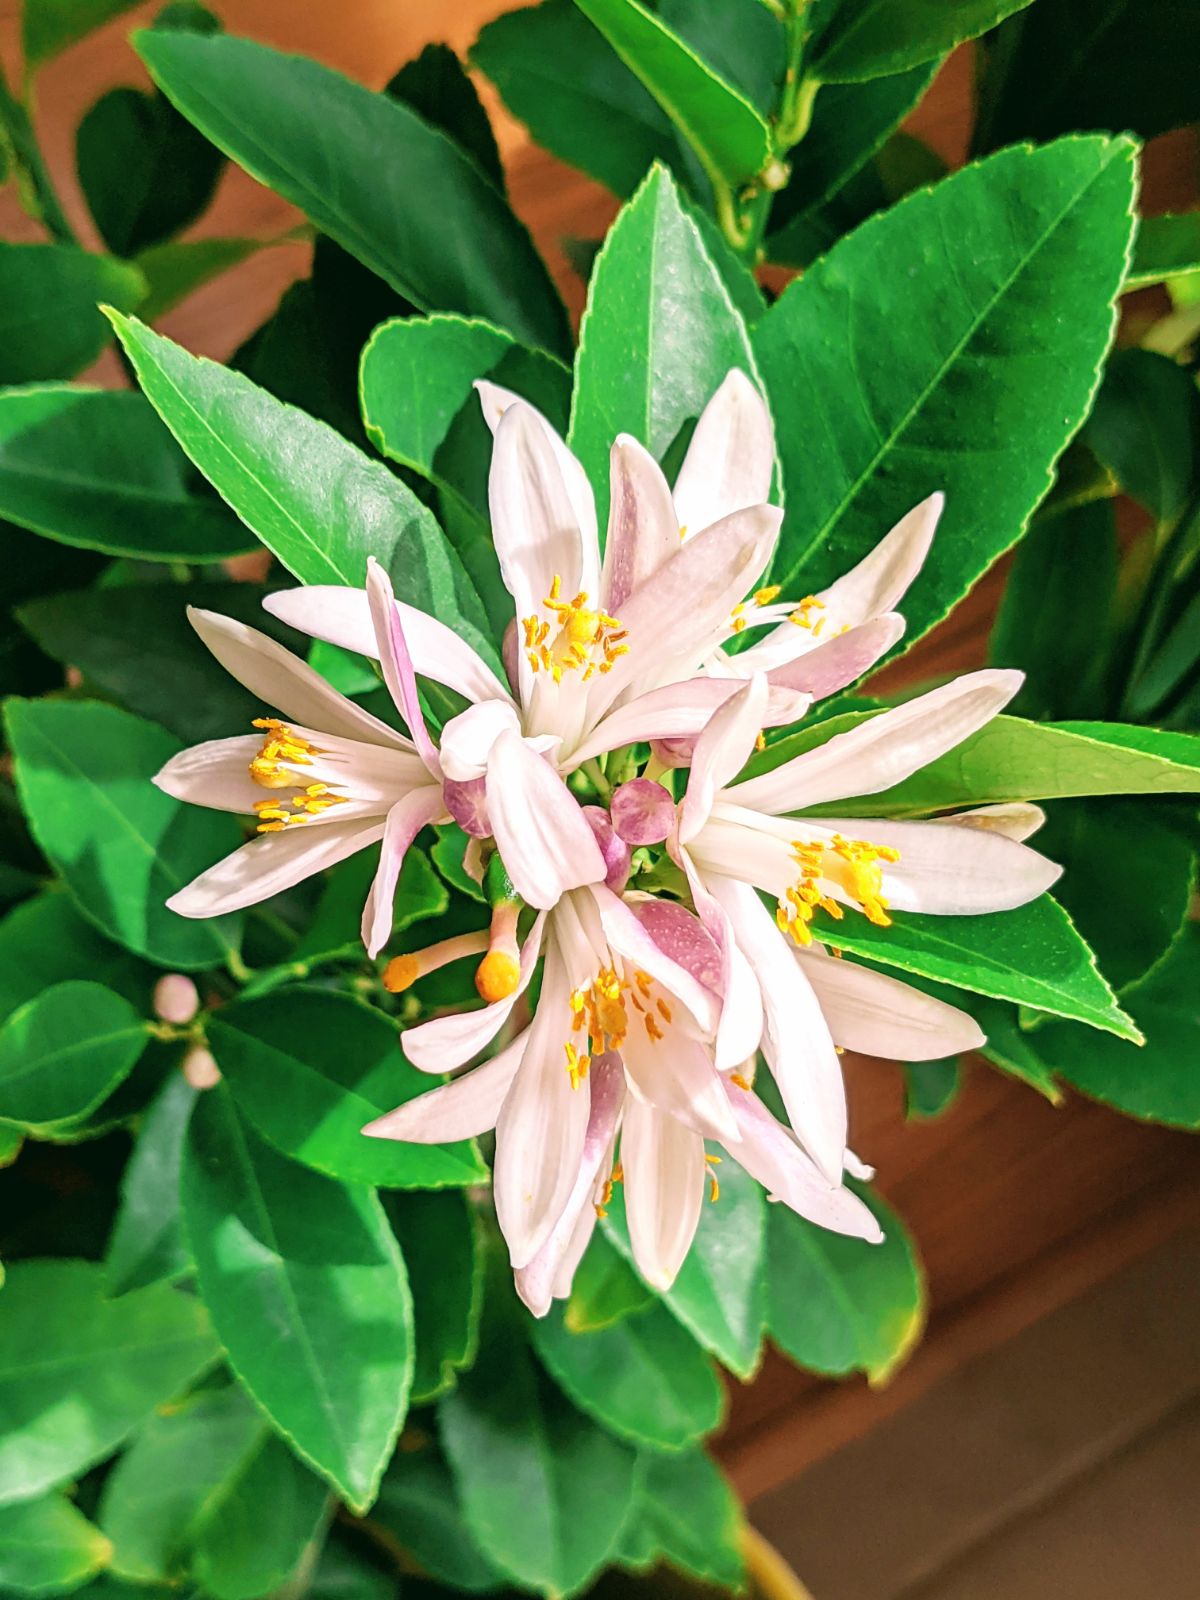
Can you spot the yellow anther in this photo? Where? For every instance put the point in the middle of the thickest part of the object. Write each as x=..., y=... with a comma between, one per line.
x=739, y=1082
x=800, y=616
x=763, y=597
x=652, y=1027
x=663, y=1009
x=497, y=976
x=683, y=527
x=853, y=864
x=577, y=1066
x=401, y=973
x=586, y=640
x=760, y=740
x=715, y=1190
x=618, y=1173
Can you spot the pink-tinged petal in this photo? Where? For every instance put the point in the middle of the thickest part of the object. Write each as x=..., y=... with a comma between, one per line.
x=681, y=937
x=633, y=943
x=796, y=1041
x=467, y=739
x=542, y=1127
x=642, y=811
x=771, y=1156
x=740, y=1029
x=495, y=401
x=404, y=822
x=881, y=578
x=215, y=774
x=543, y=1279
x=394, y=659
x=643, y=530
x=678, y=616
x=878, y=1015
x=279, y=679
x=721, y=752
x=618, y=857
x=679, y=712
x=885, y=749
x=1018, y=819
x=462, y=1109
x=953, y=872
x=676, y=1075
x=467, y=804
x=540, y=831
x=665, y=1181
x=443, y=1043
x=342, y=616
x=841, y=660
x=271, y=863
x=730, y=458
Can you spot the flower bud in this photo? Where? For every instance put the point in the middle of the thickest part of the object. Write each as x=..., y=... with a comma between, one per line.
x=176, y=998
x=200, y=1068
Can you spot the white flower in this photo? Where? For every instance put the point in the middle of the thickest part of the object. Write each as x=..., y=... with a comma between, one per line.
x=737, y=838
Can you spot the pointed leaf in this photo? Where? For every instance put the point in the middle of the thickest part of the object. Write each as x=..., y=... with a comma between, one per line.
x=418, y=1509
x=45, y=942
x=48, y=1547
x=439, y=1238
x=858, y=39
x=436, y=85
x=50, y=326
x=64, y=1053
x=686, y=1513
x=147, y=1243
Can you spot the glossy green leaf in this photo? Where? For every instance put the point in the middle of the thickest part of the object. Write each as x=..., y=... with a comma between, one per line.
x=930, y=1088
x=719, y=1295
x=353, y=160
x=64, y=1053
x=1012, y=1048
x=174, y=269
x=323, y=522
x=11, y=1143
x=311, y=1068
x=117, y=1360
x=741, y=286
x=728, y=135
x=147, y=1244
x=658, y=337
x=1145, y=428
x=644, y=1379
x=84, y=774
x=559, y=76
x=439, y=1238
x=49, y=26
x=280, y=1248
x=1164, y=248
x=686, y=1513
x=50, y=326
x=1032, y=955
x=855, y=40
x=927, y=351
x=96, y=468
x=45, y=942
x=605, y=1289
x=840, y=1305
x=418, y=1509
x=436, y=85
x=742, y=41
x=241, y=1555
x=1057, y=613
x=48, y=1547
x=335, y=928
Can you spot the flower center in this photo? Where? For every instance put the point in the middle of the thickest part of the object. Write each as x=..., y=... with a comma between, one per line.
x=577, y=639
x=600, y=1013
x=282, y=749
x=853, y=864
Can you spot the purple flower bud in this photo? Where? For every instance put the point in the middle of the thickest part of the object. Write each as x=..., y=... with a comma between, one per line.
x=617, y=854
x=643, y=812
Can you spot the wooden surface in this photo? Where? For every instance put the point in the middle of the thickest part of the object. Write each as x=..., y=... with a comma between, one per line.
x=1018, y=1205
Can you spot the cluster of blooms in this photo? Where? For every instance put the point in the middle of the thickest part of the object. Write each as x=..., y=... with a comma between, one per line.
x=653, y=1009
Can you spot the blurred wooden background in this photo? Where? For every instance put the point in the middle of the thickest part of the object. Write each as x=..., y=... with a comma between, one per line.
x=1019, y=1207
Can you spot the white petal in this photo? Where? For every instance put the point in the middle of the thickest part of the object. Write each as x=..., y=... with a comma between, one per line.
x=643, y=530
x=443, y=1043
x=881, y=578
x=342, y=616
x=721, y=752
x=665, y=1177
x=885, y=749
x=630, y=940
x=839, y=661
x=730, y=458
x=396, y=662
x=740, y=1029
x=676, y=1075
x=467, y=739
x=271, y=863
x=880, y=1016
x=404, y=822
x=462, y=1109
x=215, y=774
x=279, y=679
x=1018, y=819
x=678, y=711
x=540, y=831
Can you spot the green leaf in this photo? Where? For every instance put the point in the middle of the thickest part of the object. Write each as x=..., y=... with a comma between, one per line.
x=559, y=76
x=448, y=855
x=686, y=1513
x=931, y=1087
x=436, y=86
x=241, y=1555
x=1115, y=64
x=45, y=942
x=116, y=1359
x=644, y=1379
x=311, y=1068
x=728, y=135
x=927, y=351
x=439, y=1239
x=1157, y=1083
x=418, y=1509
x=280, y=1248
x=1032, y=955
x=605, y=1289
x=172, y=270
x=1011, y=1048
x=840, y=1305
x=64, y=1053
x=335, y=928
x=1165, y=247
x=1057, y=613
x=49, y=26
x=742, y=41
x=323, y=522
x=658, y=337
x=48, y=1547
x=96, y=468
x=11, y=1142
x=719, y=1295
x=121, y=846
x=1145, y=428
x=346, y=1571
x=147, y=1244
x=858, y=39
x=50, y=326
x=353, y=160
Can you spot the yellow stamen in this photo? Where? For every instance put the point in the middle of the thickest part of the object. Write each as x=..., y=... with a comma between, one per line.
x=715, y=1190
x=800, y=616
x=740, y=1082
x=763, y=597
x=854, y=864
x=586, y=641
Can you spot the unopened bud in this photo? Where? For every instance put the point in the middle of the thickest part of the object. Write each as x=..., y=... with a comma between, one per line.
x=200, y=1068
x=176, y=998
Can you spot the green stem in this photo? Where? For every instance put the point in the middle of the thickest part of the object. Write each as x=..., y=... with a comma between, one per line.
x=35, y=187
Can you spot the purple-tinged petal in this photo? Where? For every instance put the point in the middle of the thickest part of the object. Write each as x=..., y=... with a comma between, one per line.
x=676, y=1075
x=467, y=804
x=618, y=857
x=404, y=822
x=540, y=830
x=642, y=812
x=722, y=750
x=643, y=530
x=461, y=1109
x=394, y=659
x=681, y=937
x=731, y=456
x=467, y=739
x=679, y=712
x=839, y=661
x=630, y=940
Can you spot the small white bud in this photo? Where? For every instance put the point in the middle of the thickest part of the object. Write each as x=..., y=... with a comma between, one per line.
x=200, y=1069
x=176, y=998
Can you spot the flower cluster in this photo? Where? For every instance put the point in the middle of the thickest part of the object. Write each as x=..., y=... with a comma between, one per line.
x=623, y=668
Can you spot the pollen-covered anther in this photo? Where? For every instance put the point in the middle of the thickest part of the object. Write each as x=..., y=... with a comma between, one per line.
x=282, y=747
x=403, y=971
x=853, y=864
x=577, y=1064
x=277, y=814
x=715, y=1189
x=599, y=1007
x=802, y=613
x=764, y=597
x=587, y=640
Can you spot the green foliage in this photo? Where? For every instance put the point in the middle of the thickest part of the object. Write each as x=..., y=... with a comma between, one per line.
x=1145, y=428
x=604, y=1290
x=1164, y=247
x=49, y=26
x=49, y=292
x=64, y=1053
x=855, y=40
x=147, y=1244
x=435, y=84
x=440, y=1237
x=48, y=1547
x=173, y=269
x=685, y=1513
x=418, y=1508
